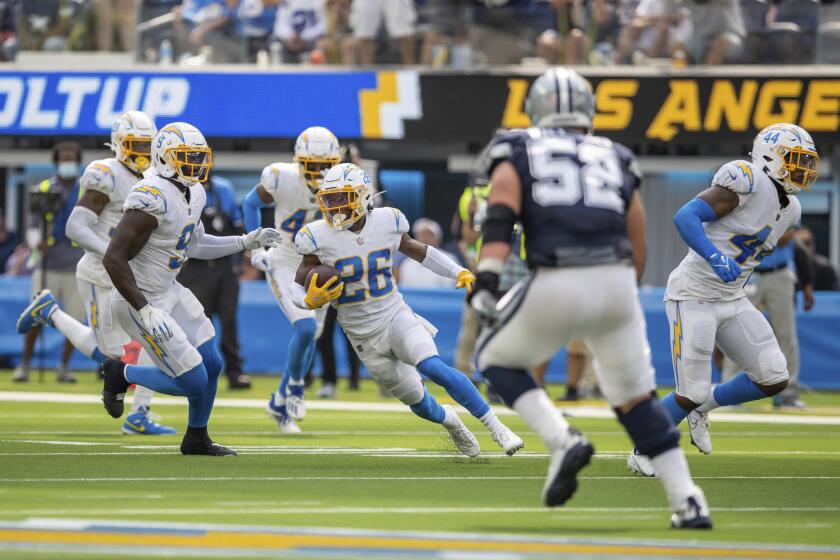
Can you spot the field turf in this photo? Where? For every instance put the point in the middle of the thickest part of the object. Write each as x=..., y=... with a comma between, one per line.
x=768, y=483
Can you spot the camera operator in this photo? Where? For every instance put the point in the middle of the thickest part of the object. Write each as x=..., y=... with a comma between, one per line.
x=50, y=204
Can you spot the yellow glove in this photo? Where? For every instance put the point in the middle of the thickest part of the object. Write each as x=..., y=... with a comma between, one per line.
x=318, y=297
x=466, y=279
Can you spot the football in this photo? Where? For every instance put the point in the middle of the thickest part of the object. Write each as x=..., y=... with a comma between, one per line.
x=324, y=272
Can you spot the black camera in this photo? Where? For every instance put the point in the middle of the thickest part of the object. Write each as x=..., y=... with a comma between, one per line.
x=42, y=203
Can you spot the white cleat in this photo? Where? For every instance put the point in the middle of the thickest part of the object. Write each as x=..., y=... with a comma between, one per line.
x=561, y=482
x=698, y=425
x=276, y=410
x=464, y=440
x=693, y=512
x=295, y=404
x=507, y=440
x=640, y=464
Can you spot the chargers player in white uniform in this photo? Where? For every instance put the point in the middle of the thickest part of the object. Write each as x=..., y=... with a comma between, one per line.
x=291, y=188
x=729, y=227
x=160, y=229
x=105, y=185
x=389, y=338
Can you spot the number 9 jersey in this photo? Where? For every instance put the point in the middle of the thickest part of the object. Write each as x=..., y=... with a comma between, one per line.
x=746, y=234
x=370, y=299
x=576, y=189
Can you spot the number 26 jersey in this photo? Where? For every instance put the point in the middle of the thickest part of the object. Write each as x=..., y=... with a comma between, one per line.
x=370, y=299
x=745, y=235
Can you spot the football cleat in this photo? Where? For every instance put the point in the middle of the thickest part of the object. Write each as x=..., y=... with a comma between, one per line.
x=640, y=464
x=693, y=512
x=328, y=391
x=698, y=425
x=37, y=312
x=197, y=442
x=507, y=440
x=565, y=463
x=21, y=374
x=144, y=423
x=276, y=409
x=114, y=386
x=464, y=439
x=295, y=405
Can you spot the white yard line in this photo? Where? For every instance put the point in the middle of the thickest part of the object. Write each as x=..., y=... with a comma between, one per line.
x=597, y=412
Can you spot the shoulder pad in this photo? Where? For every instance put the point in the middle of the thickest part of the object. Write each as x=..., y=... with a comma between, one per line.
x=628, y=160
x=147, y=198
x=99, y=176
x=737, y=176
x=503, y=148
x=399, y=220
x=305, y=241
x=270, y=177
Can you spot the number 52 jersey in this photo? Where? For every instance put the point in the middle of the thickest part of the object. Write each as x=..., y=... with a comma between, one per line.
x=746, y=234
x=370, y=299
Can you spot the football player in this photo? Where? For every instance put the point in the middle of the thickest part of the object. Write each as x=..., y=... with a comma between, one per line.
x=576, y=196
x=160, y=229
x=393, y=343
x=105, y=185
x=291, y=188
x=729, y=227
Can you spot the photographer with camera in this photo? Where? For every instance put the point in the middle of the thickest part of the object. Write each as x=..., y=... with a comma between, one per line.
x=50, y=203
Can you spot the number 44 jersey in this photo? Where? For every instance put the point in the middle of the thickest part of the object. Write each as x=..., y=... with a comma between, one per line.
x=576, y=189
x=294, y=207
x=746, y=234
x=370, y=299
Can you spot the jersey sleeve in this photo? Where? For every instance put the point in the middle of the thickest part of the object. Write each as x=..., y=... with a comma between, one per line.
x=401, y=225
x=148, y=199
x=629, y=166
x=270, y=180
x=305, y=241
x=736, y=176
x=99, y=177
x=509, y=146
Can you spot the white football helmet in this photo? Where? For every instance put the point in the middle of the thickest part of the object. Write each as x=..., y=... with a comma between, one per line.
x=180, y=152
x=131, y=140
x=346, y=194
x=787, y=154
x=316, y=150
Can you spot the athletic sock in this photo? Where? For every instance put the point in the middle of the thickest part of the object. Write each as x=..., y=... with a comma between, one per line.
x=79, y=335
x=740, y=389
x=674, y=409
x=457, y=385
x=153, y=378
x=492, y=422
x=672, y=469
x=142, y=398
x=429, y=409
x=537, y=410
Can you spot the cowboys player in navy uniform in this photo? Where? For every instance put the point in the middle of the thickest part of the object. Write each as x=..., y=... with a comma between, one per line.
x=577, y=198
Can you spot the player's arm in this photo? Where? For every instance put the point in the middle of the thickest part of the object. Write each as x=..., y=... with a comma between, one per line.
x=314, y=296
x=130, y=236
x=84, y=216
x=503, y=208
x=256, y=199
x=710, y=205
x=436, y=261
x=208, y=247
x=637, y=232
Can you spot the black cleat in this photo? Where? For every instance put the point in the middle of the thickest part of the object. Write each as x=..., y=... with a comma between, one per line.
x=240, y=381
x=563, y=468
x=197, y=442
x=693, y=514
x=114, y=387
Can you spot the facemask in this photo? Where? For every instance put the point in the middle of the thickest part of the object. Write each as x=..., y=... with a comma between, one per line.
x=68, y=170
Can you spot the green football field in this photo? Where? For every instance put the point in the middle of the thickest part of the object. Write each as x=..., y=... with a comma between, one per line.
x=367, y=478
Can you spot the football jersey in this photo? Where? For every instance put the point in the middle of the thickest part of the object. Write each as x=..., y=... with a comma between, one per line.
x=576, y=189
x=114, y=180
x=294, y=206
x=370, y=299
x=159, y=261
x=746, y=234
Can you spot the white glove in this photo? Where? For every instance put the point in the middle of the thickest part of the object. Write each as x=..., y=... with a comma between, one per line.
x=483, y=304
x=261, y=237
x=157, y=323
x=261, y=260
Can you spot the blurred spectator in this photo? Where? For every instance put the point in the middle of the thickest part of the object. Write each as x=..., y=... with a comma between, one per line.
x=414, y=274
x=301, y=28
x=58, y=255
x=717, y=31
x=564, y=41
x=254, y=23
x=9, y=241
x=115, y=17
x=399, y=18
x=339, y=32
x=205, y=26
x=216, y=282
x=659, y=29
x=8, y=37
x=825, y=277
x=20, y=262
x=44, y=24
x=443, y=26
